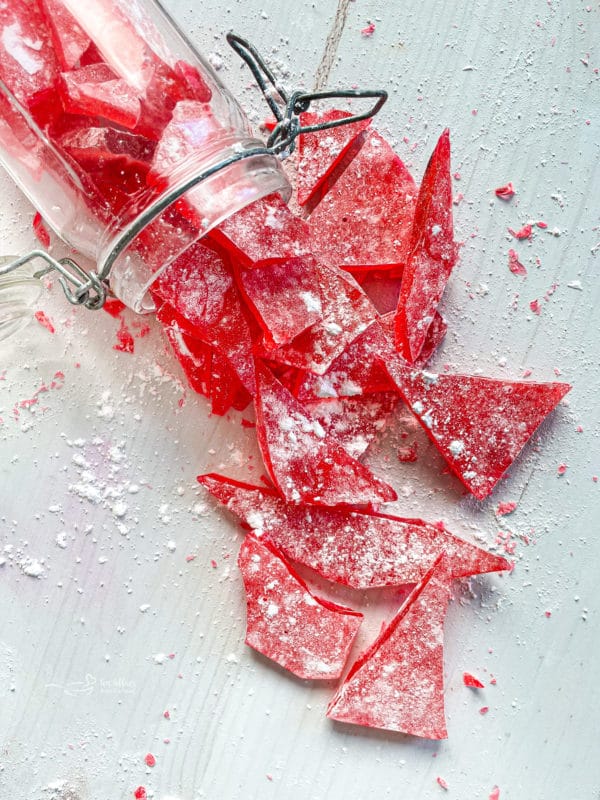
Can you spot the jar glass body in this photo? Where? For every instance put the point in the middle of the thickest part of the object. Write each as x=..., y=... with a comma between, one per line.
x=106, y=111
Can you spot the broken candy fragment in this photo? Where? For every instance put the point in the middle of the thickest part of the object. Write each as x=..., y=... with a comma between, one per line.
x=346, y=313
x=194, y=356
x=305, y=634
x=306, y=463
x=472, y=681
x=364, y=221
x=505, y=192
x=398, y=683
x=320, y=152
x=95, y=91
x=479, y=425
x=263, y=232
x=68, y=39
x=284, y=297
x=432, y=254
x=359, y=549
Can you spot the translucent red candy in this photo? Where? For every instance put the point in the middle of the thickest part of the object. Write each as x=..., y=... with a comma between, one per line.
x=433, y=254
x=307, y=635
x=69, y=40
x=479, y=425
x=472, y=681
x=346, y=313
x=28, y=64
x=305, y=463
x=264, y=232
x=284, y=297
x=322, y=151
x=95, y=91
x=355, y=548
x=364, y=221
x=194, y=355
x=200, y=287
x=398, y=683
x=354, y=421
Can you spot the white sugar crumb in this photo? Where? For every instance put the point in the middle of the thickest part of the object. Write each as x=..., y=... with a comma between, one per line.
x=430, y=378
x=215, y=60
x=144, y=607
x=119, y=510
x=160, y=658
x=418, y=407
x=312, y=302
x=32, y=567
x=350, y=389
x=272, y=610
x=171, y=546
x=271, y=220
x=61, y=540
x=231, y=658
x=427, y=419
x=456, y=447
x=333, y=329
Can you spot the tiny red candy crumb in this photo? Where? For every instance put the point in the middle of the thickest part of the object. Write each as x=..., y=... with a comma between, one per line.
x=472, y=681
x=541, y=224
x=495, y=794
x=213, y=563
x=442, y=783
x=547, y=614
x=44, y=321
x=246, y=423
x=505, y=508
x=269, y=776
x=579, y=429
x=190, y=558
x=523, y=233
x=125, y=343
x=150, y=760
x=167, y=714
x=113, y=306
x=505, y=192
x=408, y=455
x=534, y=305
x=562, y=468
x=484, y=709
x=140, y=793
x=40, y=231
x=369, y=30
x=514, y=264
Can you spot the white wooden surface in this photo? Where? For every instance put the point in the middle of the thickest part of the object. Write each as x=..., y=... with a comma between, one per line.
x=81, y=693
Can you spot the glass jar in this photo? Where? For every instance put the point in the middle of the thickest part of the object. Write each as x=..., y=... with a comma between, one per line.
x=110, y=122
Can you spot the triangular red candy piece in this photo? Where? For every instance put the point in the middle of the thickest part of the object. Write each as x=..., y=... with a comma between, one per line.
x=346, y=313
x=305, y=463
x=284, y=297
x=398, y=683
x=95, y=91
x=307, y=635
x=320, y=152
x=435, y=335
x=364, y=221
x=359, y=549
x=479, y=425
x=432, y=254
x=200, y=287
x=263, y=232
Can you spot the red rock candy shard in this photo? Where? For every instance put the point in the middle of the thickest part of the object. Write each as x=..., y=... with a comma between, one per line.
x=479, y=425
x=69, y=40
x=354, y=421
x=358, y=549
x=435, y=335
x=304, y=634
x=200, y=287
x=305, y=463
x=194, y=355
x=28, y=64
x=264, y=232
x=284, y=297
x=226, y=389
x=346, y=313
x=433, y=254
x=320, y=152
x=95, y=91
x=398, y=683
x=356, y=371
x=365, y=220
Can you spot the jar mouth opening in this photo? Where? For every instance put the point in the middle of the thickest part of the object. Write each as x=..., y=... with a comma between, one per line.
x=202, y=192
